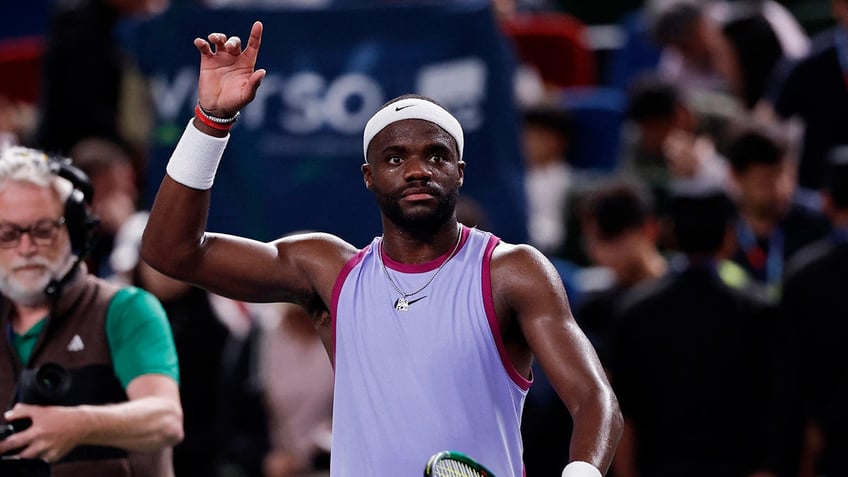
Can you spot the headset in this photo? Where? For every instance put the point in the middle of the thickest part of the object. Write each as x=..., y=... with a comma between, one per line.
x=81, y=221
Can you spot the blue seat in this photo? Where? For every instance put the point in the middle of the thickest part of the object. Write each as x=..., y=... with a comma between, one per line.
x=637, y=54
x=598, y=114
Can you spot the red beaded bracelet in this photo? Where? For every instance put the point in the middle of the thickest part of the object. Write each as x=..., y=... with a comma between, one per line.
x=205, y=119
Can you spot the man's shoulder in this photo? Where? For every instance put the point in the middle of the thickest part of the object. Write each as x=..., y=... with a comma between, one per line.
x=128, y=297
x=506, y=252
x=514, y=263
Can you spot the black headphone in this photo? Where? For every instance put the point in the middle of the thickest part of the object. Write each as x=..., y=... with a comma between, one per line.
x=79, y=218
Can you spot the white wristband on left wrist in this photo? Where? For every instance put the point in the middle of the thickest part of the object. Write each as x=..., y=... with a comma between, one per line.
x=195, y=159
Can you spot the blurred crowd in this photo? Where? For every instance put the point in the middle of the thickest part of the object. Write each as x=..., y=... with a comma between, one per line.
x=685, y=168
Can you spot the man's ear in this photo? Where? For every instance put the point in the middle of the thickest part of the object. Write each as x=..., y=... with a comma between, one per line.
x=461, y=165
x=366, y=175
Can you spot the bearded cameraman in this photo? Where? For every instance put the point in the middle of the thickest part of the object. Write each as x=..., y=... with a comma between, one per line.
x=88, y=369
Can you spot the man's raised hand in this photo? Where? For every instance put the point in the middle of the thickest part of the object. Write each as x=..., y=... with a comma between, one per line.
x=228, y=81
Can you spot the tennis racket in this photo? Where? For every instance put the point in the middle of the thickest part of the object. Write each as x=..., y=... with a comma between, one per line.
x=454, y=464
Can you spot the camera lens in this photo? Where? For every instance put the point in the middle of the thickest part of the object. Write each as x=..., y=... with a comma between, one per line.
x=47, y=385
x=48, y=377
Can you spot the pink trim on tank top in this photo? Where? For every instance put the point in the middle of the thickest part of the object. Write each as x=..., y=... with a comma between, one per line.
x=426, y=266
x=337, y=291
x=489, y=305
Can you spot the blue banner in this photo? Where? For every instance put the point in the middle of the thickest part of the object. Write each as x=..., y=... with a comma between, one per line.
x=293, y=162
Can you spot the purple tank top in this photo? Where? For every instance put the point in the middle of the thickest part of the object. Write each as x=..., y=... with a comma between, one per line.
x=433, y=377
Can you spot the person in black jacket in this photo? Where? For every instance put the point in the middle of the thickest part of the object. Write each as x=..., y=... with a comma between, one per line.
x=814, y=303
x=692, y=361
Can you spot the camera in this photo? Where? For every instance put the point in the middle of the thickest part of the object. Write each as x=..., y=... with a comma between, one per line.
x=45, y=385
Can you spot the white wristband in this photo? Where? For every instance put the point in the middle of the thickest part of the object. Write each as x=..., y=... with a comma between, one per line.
x=578, y=468
x=195, y=159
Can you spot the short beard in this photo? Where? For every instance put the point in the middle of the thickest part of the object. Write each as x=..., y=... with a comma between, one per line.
x=419, y=224
x=33, y=294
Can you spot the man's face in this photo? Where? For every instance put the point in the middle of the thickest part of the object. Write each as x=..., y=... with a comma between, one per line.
x=622, y=254
x=415, y=173
x=766, y=189
x=116, y=195
x=27, y=268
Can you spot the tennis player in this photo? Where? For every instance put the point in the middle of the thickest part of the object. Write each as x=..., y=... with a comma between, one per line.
x=431, y=328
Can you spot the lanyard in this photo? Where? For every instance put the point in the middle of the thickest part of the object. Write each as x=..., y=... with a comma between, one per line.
x=767, y=264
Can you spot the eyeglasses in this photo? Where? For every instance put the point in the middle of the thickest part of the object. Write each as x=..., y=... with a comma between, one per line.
x=42, y=232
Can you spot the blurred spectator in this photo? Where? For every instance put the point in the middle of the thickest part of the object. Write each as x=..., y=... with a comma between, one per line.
x=695, y=55
x=724, y=48
x=814, y=90
x=620, y=233
x=771, y=226
x=86, y=74
x=546, y=134
x=665, y=144
x=793, y=40
x=297, y=379
x=113, y=176
x=692, y=361
x=17, y=121
x=210, y=334
x=814, y=302
x=757, y=51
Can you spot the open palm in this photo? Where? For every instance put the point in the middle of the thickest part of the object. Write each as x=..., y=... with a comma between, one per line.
x=228, y=80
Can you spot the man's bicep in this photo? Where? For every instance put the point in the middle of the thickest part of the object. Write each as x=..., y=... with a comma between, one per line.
x=538, y=299
x=242, y=269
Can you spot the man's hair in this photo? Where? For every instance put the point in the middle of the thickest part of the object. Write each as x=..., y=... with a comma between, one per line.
x=554, y=118
x=617, y=207
x=700, y=220
x=836, y=180
x=93, y=155
x=651, y=97
x=675, y=21
x=21, y=164
x=753, y=141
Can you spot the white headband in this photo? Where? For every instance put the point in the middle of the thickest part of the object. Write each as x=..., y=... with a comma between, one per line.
x=412, y=108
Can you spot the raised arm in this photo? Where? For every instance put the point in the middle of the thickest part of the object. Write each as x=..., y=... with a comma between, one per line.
x=175, y=241
x=529, y=290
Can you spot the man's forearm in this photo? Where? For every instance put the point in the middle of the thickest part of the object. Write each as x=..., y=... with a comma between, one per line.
x=177, y=220
x=145, y=424
x=597, y=430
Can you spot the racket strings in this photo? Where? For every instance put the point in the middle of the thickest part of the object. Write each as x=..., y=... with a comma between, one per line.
x=452, y=468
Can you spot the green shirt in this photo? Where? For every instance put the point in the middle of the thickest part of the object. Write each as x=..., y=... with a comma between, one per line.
x=138, y=333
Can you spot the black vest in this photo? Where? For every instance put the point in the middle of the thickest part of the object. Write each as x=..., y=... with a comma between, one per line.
x=75, y=338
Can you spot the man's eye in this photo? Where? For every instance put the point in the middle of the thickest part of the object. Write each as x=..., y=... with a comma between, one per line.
x=394, y=160
x=8, y=233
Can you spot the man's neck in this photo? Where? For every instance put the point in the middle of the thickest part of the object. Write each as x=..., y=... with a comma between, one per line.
x=26, y=317
x=651, y=265
x=407, y=248
x=761, y=225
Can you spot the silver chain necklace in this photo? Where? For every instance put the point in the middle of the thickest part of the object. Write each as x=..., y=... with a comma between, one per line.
x=402, y=304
